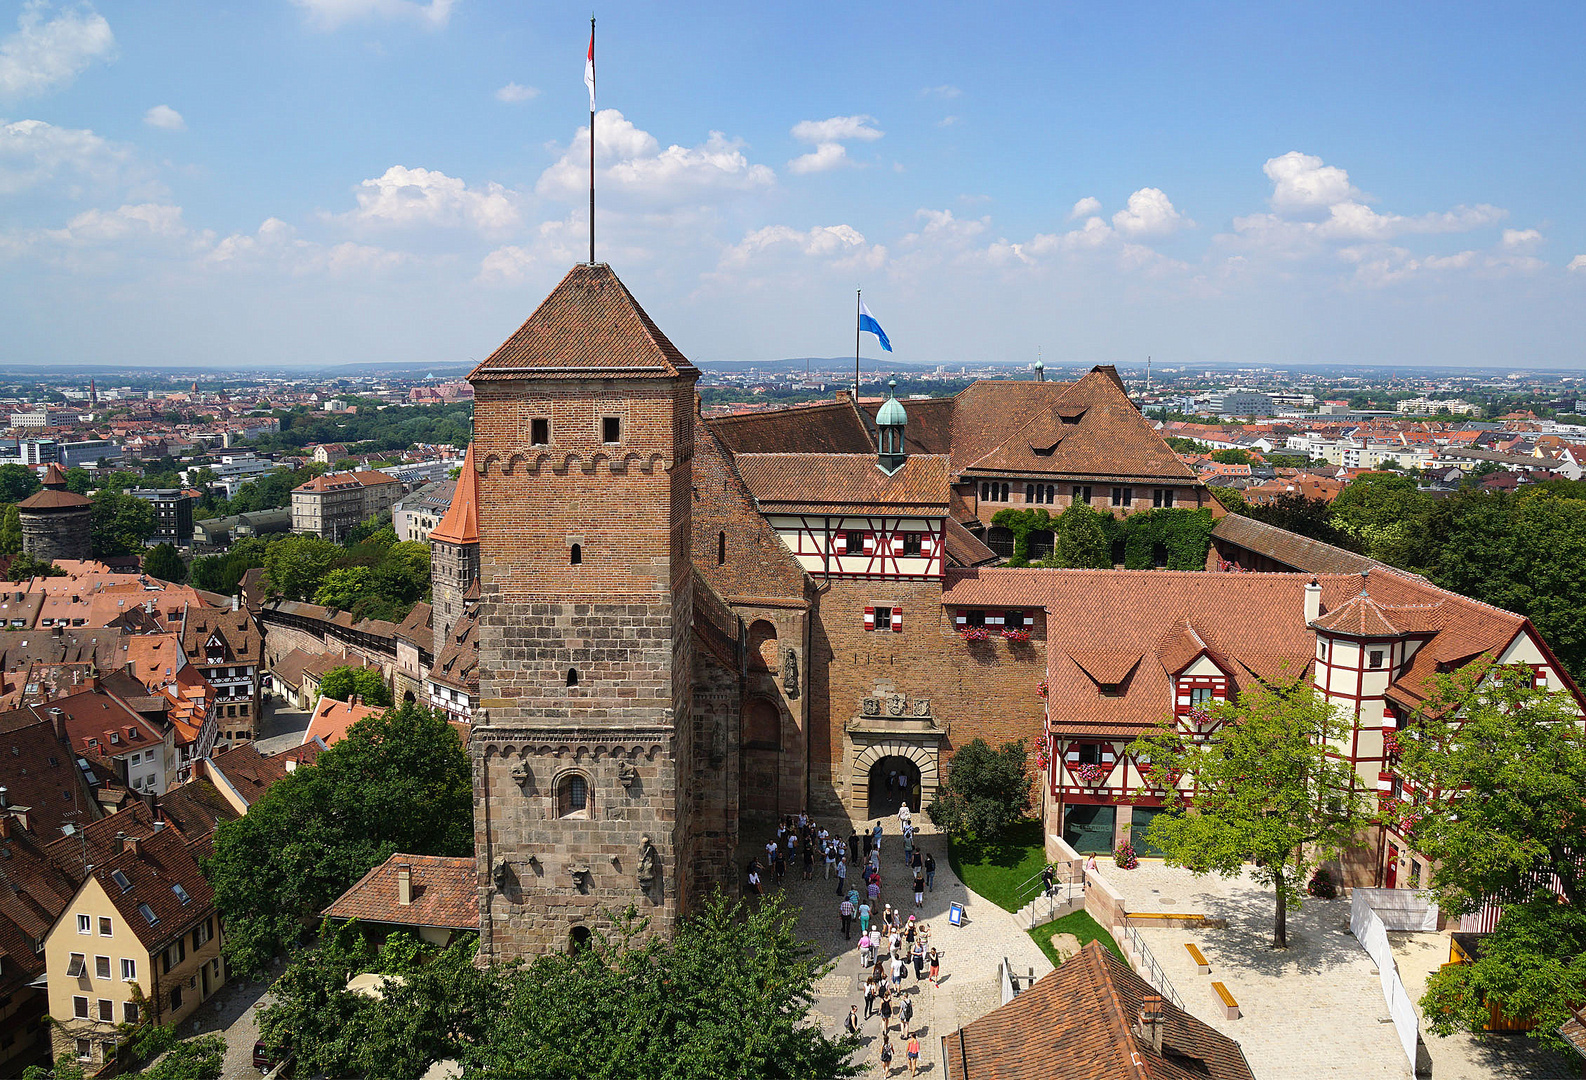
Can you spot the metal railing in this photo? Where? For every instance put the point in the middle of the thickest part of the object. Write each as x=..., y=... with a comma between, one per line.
x=1147, y=966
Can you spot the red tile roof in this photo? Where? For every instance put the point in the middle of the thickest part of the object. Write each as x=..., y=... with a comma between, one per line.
x=445, y=893
x=1079, y=1023
x=332, y=718
x=248, y=772
x=590, y=324
x=160, y=871
x=829, y=483
x=827, y=427
x=461, y=523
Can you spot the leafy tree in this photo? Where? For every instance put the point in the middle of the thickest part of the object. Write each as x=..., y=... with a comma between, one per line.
x=1232, y=456
x=729, y=994
x=1233, y=499
x=1386, y=513
x=1504, y=764
x=295, y=566
x=343, y=682
x=1288, y=461
x=119, y=524
x=25, y=566
x=223, y=573
x=17, y=482
x=1303, y=515
x=11, y=531
x=1267, y=790
x=400, y=781
x=1081, y=541
x=986, y=792
x=78, y=481
x=1185, y=446
x=164, y=563
x=343, y=587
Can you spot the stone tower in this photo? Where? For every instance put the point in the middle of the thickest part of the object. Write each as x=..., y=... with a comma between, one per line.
x=583, y=746
x=55, y=521
x=454, y=553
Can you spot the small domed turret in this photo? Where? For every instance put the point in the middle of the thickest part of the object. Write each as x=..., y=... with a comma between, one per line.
x=890, y=421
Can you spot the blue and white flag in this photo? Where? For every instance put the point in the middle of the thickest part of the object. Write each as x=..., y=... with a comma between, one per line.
x=868, y=323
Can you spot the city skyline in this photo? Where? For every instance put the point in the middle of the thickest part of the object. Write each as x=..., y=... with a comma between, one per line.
x=343, y=181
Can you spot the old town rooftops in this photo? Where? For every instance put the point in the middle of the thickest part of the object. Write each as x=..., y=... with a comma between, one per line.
x=1113, y=669
x=590, y=325
x=441, y=891
x=826, y=427
x=836, y=483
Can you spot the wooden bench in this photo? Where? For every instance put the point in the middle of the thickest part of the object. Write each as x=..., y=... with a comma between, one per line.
x=1200, y=960
x=1230, y=1006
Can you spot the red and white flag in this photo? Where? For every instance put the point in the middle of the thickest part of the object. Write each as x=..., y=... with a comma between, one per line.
x=589, y=71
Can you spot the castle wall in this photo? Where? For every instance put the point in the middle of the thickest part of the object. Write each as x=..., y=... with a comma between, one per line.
x=61, y=534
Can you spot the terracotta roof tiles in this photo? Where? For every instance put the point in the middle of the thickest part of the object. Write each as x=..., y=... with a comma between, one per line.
x=821, y=483
x=445, y=893
x=828, y=427
x=590, y=324
x=461, y=523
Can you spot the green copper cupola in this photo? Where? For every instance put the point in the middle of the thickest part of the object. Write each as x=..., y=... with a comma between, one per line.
x=890, y=421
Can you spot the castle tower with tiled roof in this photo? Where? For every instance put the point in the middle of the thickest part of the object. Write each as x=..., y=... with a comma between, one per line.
x=454, y=553
x=55, y=521
x=584, y=746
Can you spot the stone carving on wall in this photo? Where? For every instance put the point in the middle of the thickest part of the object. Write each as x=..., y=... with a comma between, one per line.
x=790, y=673
x=499, y=875
x=922, y=706
x=647, y=859
x=626, y=774
x=894, y=704
x=521, y=775
x=872, y=706
x=718, y=743
x=581, y=875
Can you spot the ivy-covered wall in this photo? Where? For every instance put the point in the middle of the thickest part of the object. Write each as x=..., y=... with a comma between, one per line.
x=1184, y=534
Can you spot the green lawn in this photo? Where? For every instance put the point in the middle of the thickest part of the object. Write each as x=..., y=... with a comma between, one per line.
x=1078, y=923
x=996, y=869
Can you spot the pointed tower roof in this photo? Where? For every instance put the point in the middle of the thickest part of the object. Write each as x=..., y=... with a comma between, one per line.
x=461, y=523
x=590, y=325
x=53, y=477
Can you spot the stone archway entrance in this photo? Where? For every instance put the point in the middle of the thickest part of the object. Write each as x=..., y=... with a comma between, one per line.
x=893, y=780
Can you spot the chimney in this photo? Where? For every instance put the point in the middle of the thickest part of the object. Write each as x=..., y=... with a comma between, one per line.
x=1152, y=1021
x=5, y=827
x=5, y=799
x=233, y=603
x=131, y=844
x=58, y=719
x=159, y=826
x=1313, y=602
x=404, y=884
x=121, y=842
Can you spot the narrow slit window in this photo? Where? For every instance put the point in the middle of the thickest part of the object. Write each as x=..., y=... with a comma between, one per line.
x=611, y=429
x=572, y=676
x=721, y=548
x=576, y=555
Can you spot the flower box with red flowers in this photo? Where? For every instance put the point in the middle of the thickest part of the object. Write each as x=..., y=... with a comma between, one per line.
x=1043, y=756
x=975, y=634
x=1390, y=744
x=1125, y=856
x=1041, y=689
x=1016, y=634
x=1090, y=773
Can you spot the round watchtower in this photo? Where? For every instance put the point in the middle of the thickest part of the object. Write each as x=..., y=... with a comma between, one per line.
x=55, y=521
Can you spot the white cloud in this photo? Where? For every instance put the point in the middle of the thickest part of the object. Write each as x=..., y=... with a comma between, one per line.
x=1520, y=239
x=144, y=220
x=828, y=136
x=33, y=152
x=1578, y=264
x=44, y=56
x=1149, y=213
x=947, y=121
x=942, y=228
x=1085, y=208
x=943, y=91
x=633, y=167
x=1302, y=182
x=823, y=157
x=277, y=246
x=837, y=129
x=514, y=94
x=406, y=197
x=330, y=14
x=165, y=117
x=840, y=245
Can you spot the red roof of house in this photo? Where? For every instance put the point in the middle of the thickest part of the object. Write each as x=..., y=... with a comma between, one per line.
x=831, y=483
x=461, y=523
x=445, y=893
x=332, y=718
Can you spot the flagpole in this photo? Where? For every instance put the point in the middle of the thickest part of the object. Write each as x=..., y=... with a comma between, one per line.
x=591, y=147
x=858, y=299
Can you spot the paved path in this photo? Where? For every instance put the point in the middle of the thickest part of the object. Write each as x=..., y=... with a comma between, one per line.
x=282, y=727
x=1312, y=1010
x=970, y=985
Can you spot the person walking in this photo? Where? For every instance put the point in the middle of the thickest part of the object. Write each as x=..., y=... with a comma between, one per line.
x=754, y=880
x=935, y=959
x=919, y=888
x=886, y=1055
x=873, y=890
x=868, y=843
x=853, y=1020
x=930, y=873
x=898, y=968
x=780, y=864
x=886, y=1014
x=846, y=911
x=913, y=1050
x=875, y=834
x=853, y=846
x=867, y=950
x=906, y=1014
x=842, y=874
x=864, y=918
x=809, y=862
x=908, y=847
x=826, y=854
x=903, y=814
x=918, y=955
x=1046, y=880
x=870, y=997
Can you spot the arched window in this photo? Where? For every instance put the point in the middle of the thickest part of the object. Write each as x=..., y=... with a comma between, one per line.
x=576, y=556
x=721, y=548
x=572, y=796
x=578, y=939
x=572, y=676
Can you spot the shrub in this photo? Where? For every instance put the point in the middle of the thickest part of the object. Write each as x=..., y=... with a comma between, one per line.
x=1125, y=856
x=1322, y=885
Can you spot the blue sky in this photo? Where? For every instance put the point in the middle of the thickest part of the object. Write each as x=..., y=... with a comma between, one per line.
x=329, y=181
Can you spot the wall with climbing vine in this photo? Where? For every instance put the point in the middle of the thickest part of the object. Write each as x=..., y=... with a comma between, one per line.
x=1184, y=536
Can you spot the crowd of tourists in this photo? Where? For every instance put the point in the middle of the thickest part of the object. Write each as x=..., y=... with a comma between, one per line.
x=892, y=945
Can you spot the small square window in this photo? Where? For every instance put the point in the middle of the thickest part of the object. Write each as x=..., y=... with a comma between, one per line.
x=101, y=967
x=107, y=1010
x=129, y=1011
x=129, y=970
x=148, y=913
x=1374, y=658
x=77, y=967
x=883, y=618
x=911, y=545
x=181, y=893
x=611, y=429
x=85, y=925
x=1082, y=493
x=540, y=431
x=80, y=1008
x=975, y=618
